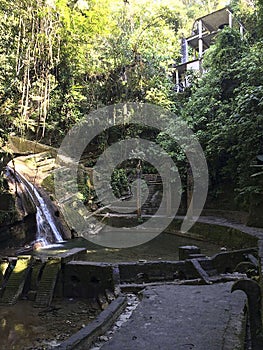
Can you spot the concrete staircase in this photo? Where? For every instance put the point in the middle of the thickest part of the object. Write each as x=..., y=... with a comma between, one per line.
x=47, y=283
x=151, y=204
x=16, y=281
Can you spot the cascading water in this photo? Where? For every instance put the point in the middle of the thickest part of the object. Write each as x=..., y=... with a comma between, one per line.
x=47, y=230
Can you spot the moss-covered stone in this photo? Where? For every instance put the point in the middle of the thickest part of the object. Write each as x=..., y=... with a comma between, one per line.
x=48, y=184
x=24, y=146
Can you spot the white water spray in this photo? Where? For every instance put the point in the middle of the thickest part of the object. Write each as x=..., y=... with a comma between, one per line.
x=47, y=231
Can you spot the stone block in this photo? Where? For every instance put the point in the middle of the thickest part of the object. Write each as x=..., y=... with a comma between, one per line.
x=83, y=279
x=186, y=251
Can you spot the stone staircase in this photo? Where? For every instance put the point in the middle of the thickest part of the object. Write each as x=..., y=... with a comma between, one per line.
x=151, y=204
x=154, y=199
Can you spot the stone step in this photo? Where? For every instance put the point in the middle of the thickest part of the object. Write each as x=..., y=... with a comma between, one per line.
x=16, y=281
x=47, y=283
x=48, y=167
x=37, y=268
x=44, y=157
x=45, y=161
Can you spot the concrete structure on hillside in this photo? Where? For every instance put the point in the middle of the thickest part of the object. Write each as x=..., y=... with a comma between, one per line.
x=203, y=33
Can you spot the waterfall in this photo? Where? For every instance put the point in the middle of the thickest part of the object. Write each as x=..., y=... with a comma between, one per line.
x=47, y=229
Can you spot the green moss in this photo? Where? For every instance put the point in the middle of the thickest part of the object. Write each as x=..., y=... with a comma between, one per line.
x=48, y=184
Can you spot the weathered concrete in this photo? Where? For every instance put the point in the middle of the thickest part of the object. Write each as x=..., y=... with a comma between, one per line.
x=23, y=146
x=227, y=261
x=84, y=279
x=72, y=254
x=253, y=232
x=156, y=271
x=83, y=339
x=186, y=251
x=184, y=317
x=194, y=268
x=255, y=210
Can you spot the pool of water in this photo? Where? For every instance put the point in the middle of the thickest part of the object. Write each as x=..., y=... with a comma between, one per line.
x=163, y=247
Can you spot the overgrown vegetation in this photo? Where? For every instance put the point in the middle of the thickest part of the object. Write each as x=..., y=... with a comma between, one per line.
x=61, y=59
x=225, y=110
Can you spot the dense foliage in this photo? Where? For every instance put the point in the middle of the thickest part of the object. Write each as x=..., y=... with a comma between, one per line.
x=61, y=59
x=225, y=110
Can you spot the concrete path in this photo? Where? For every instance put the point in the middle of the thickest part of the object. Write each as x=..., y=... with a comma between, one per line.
x=179, y=317
x=254, y=231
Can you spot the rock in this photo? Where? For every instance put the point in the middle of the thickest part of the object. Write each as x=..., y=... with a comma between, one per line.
x=119, y=323
x=103, y=338
x=37, y=245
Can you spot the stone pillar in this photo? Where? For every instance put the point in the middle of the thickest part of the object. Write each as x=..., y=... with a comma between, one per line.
x=230, y=19
x=139, y=175
x=185, y=252
x=177, y=81
x=200, y=40
x=189, y=189
x=184, y=50
x=168, y=190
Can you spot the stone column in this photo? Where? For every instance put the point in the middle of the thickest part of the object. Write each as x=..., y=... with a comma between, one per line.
x=200, y=40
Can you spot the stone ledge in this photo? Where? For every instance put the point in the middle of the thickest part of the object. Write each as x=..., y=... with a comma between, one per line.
x=84, y=338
